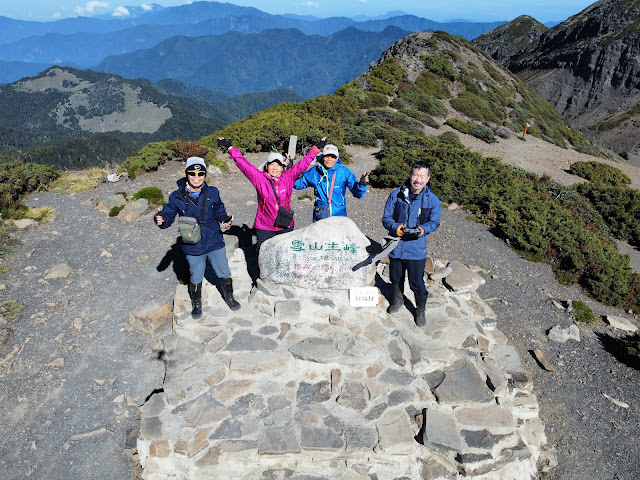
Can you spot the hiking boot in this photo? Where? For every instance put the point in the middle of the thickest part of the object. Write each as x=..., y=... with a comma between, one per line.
x=227, y=293
x=421, y=303
x=397, y=298
x=195, y=293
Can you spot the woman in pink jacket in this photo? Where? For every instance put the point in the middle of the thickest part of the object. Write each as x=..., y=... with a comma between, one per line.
x=272, y=178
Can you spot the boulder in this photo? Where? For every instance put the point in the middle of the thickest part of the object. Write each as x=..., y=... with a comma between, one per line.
x=105, y=205
x=134, y=210
x=318, y=256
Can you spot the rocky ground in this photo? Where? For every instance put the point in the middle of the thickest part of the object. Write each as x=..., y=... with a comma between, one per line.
x=73, y=374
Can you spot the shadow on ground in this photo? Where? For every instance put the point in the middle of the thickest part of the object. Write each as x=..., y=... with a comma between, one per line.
x=626, y=349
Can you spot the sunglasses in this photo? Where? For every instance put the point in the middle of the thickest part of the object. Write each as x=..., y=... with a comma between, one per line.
x=195, y=173
x=330, y=156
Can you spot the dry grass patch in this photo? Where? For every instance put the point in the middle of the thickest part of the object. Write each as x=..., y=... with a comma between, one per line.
x=41, y=214
x=81, y=181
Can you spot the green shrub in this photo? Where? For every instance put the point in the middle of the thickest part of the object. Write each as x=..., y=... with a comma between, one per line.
x=115, y=210
x=148, y=159
x=451, y=138
x=458, y=124
x=482, y=132
x=440, y=65
x=583, y=313
x=373, y=100
x=18, y=179
x=598, y=172
x=269, y=130
x=359, y=135
x=398, y=103
x=10, y=310
x=6, y=242
x=474, y=107
x=153, y=194
x=418, y=99
x=619, y=206
x=432, y=84
x=430, y=121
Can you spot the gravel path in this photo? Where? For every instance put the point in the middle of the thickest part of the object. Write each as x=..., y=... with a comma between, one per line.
x=83, y=318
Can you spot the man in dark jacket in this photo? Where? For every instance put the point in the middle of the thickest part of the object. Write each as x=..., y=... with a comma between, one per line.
x=194, y=198
x=411, y=212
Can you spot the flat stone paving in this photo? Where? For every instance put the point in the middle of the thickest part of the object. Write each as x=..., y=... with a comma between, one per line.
x=298, y=384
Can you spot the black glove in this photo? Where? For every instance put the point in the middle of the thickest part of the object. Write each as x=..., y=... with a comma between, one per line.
x=363, y=180
x=321, y=144
x=224, y=143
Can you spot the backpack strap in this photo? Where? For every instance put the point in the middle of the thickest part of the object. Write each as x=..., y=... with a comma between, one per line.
x=204, y=205
x=274, y=192
x=333, y=181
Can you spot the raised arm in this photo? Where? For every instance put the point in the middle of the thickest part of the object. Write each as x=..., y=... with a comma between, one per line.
x=356, y=188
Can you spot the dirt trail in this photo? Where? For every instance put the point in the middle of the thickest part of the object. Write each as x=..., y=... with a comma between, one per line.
x=540, y=157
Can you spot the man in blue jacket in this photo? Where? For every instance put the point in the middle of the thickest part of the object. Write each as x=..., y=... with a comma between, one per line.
x=189, y=201
x=330, y=180
x=411, y=212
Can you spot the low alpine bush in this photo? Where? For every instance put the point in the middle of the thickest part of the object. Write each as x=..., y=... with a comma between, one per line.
x=600, y=173
x=153, y=194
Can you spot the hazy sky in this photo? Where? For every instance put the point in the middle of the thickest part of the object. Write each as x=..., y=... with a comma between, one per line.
x=475, y=10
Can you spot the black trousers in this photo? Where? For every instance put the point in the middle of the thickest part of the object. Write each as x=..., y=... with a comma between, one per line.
x=264, y=235
x=415, y=270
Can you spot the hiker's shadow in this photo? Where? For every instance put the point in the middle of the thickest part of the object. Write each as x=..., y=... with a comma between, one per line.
x=245, y=234
x=176, y=256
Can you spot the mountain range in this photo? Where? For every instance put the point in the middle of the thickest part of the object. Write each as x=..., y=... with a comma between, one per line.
x=235, y=63
x=587, y=67
x=64, y=42
x=77, y=118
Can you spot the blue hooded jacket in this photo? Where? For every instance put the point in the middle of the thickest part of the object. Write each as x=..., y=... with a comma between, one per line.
x=181, y=204
x=423, y=211
x=320, y=179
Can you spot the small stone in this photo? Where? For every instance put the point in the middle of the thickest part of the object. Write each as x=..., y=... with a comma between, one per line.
x=621, y=323
x=278, y=441
x=353, y=395
x=77, y=324
x=57, y=363
x=159, y=448
x=561, y=335
x=61, y=270
x=24, y=223
x=313, y=393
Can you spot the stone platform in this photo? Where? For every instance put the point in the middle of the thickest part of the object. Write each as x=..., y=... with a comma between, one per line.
x=298, y=384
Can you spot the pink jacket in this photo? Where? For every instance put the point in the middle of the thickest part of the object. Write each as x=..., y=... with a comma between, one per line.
x=267, y=204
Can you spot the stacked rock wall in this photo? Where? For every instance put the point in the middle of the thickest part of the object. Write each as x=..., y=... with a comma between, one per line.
x=299, y=384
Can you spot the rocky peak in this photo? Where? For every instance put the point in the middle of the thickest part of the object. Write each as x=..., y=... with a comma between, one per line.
x=588, y=68
x=511, y=40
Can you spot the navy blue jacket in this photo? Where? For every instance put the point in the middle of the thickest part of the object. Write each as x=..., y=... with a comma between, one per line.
x=181, y=204
x=423, y=211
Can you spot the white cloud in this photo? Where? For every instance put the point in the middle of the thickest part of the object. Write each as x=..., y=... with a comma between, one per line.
x=90, y=7
x=146, y=7
x=310, y=4
x=121, y=12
